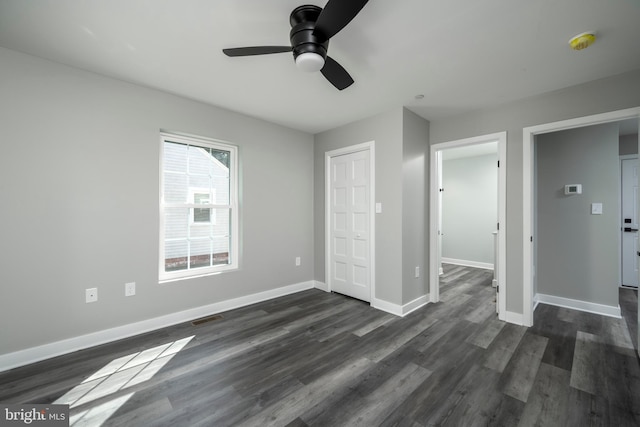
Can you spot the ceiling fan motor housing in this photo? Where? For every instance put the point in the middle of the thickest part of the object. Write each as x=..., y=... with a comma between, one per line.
x=303, y=22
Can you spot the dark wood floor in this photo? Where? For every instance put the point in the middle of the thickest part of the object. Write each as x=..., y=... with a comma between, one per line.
x=318, y=359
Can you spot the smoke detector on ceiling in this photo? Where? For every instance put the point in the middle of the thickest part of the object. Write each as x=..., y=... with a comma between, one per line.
x=582, y=41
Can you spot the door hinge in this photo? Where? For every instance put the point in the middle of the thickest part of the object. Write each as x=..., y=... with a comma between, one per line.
x=531, y=239
x=498, y=226
x=498, y=163
x=498, y=288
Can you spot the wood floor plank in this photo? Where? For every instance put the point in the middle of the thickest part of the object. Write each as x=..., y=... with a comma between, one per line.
x=139, y=414
x=622, y=387
x=370, y=400
x=400, y=339
x=469, y=400
x=379, y=321
x=584, y=409
x=288, y=409
x=548, y=397
x=433, y=394
x=503, y=346
x=585, y=322
x=586, y=368
x=387, y=397
x=616, y=334
x=485, y=336
x=520, y=373
x=629, y=309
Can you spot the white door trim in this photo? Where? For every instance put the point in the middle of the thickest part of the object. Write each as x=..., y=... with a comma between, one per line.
x=366, y=146
x=528, y=206
x=434, y=258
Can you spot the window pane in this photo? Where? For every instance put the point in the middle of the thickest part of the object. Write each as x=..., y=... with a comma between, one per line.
x=222, y=237
x=176, y=223
x=199, y=161
x=222, y=224
x=202, y=229
x=200, y=253
x=199, y=183
x=175, y=157
x=175, y=255
x=222, y=157
x=221, y=250
x=175, y=188
x=221, y=188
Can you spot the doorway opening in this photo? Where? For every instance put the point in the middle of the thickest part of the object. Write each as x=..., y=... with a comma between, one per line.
x=485, y=144
x=528, y=193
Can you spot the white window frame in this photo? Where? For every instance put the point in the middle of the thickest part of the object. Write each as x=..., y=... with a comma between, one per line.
x=167, y=276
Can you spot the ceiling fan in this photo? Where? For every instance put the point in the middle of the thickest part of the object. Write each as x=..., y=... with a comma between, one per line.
x=311, y=29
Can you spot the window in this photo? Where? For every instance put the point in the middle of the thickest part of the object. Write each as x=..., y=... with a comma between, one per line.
x=198, y=207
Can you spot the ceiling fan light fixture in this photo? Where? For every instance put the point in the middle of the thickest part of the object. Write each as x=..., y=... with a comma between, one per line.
x=310, y=62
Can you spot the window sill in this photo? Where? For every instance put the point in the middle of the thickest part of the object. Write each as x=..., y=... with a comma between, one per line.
x=229, y=269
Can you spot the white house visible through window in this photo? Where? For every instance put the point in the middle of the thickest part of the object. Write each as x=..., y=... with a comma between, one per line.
x=198, y=212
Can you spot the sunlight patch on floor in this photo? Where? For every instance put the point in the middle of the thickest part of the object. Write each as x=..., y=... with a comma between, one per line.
x=118, y=375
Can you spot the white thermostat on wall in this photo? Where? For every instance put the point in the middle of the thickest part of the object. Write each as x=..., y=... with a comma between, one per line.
x=573, y=189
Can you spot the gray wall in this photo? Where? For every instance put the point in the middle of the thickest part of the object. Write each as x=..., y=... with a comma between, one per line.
x=599, y=96
x=79, y=175
x=415, y=202
x=469, y=208
x=403, y=205
x=577, y=253
x=628, y=144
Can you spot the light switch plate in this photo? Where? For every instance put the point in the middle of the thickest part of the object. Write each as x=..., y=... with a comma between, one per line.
x=378, y=207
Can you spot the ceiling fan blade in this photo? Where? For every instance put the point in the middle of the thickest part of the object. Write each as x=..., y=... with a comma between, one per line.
x=336, y=74
x=256, y=50
x=336, y=15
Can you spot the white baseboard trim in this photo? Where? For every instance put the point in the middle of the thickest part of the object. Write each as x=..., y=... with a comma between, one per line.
x=47, y=351
x=515, y=318
x=589, y=307
x=389, y=307
x=400, y=310
x=476, y=264
x=535, y=304
x=415, y=304
x=321, y=285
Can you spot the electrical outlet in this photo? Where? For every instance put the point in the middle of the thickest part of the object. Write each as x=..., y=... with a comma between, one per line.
x=297, y=261
x=91, y=295
x=417, y=272
x=130, y=289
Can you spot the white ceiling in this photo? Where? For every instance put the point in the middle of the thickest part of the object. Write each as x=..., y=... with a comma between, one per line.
x=460, y=54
